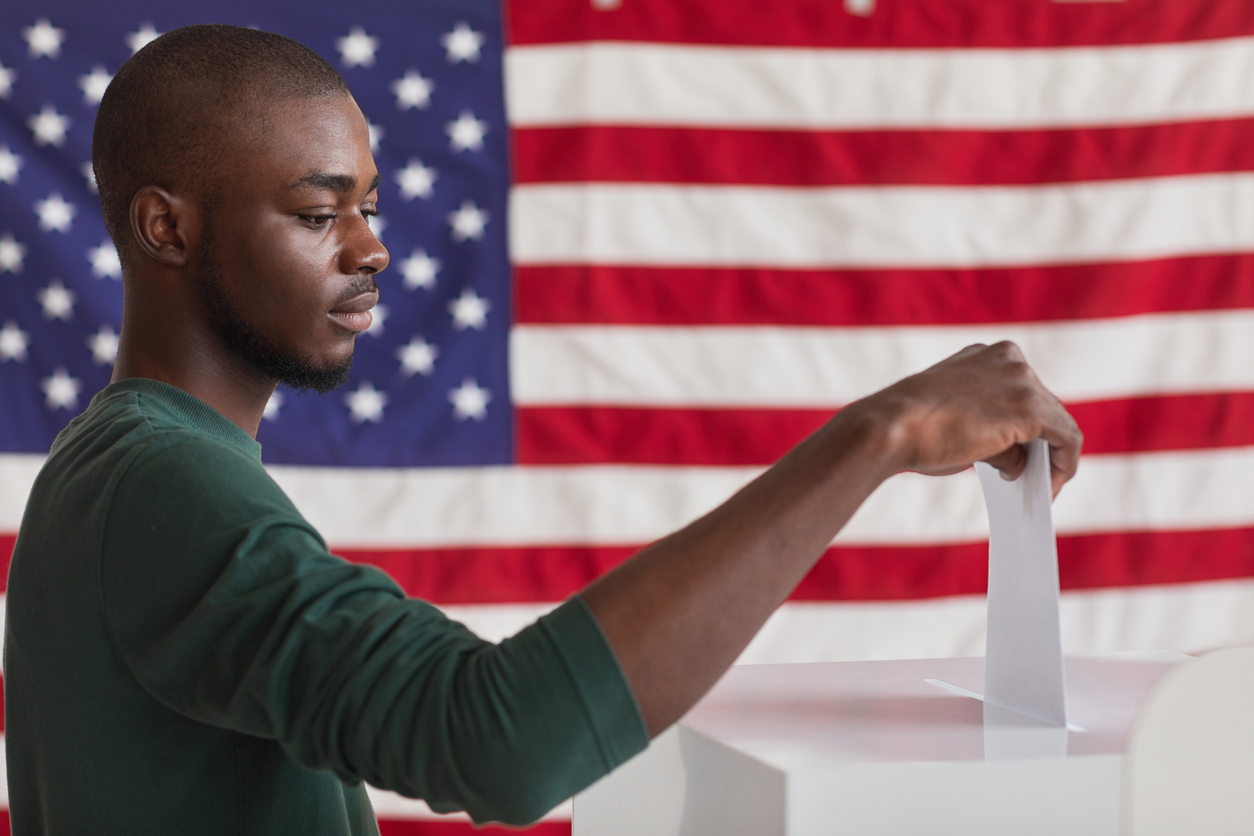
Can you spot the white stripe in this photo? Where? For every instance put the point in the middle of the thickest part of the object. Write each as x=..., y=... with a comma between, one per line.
x=496, y=622
x=1198, y=489
x=617, y=505
x=828, y=367
x=1189, y=618
x=504, y=506
x=626, y=505
x=621, y=83
x=883, y=226
x=389, y=805
x=17, y=476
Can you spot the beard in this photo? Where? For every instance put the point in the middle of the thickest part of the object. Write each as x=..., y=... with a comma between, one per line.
x=248, y=343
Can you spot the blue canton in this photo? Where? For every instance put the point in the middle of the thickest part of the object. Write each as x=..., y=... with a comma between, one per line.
x=430, y=382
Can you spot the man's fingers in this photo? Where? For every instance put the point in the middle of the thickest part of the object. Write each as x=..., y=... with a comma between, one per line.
x=1009, y=351
x=966, y=352
x=1010, y=462
x=1065, y=441
x=1064, y=461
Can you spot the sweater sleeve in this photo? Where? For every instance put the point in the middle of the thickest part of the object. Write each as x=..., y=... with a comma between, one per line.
x=228, y=608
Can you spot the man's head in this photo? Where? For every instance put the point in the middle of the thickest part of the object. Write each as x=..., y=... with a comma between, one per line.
x=235, y=176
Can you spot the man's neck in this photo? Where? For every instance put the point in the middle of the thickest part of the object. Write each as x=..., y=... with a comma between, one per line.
x=221, y=380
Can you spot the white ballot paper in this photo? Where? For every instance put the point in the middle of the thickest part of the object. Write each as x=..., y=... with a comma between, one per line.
x=1023, y=664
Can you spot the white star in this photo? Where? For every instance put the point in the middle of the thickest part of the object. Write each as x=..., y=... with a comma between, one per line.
x=93, y=86
x=140, y=38
x=419, y=270
x=49, y=127
x=272, y=406
x=61, y=390
x=469, y=401
x=104, y=261
x=357, y=48
x=13, y=342
x=10, y=165
x=462, y=44
x=377, y=315
x=55, y=213
x=377, y=224
x=376, y=133
x=57, y=302
x=466, y=132
x=104, y=346
x=412, y=90
x=11, y=253
x=418, y=357
x=366, y=404
x=469, y=311
x=416, y=180
x=6, y=81
x=43, y=39
x=90, y=174
x=468, y=221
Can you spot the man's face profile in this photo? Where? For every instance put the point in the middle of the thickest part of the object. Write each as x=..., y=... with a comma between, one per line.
x=285, y=267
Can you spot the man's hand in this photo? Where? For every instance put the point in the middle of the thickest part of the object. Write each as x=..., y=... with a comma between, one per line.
x=982, y=404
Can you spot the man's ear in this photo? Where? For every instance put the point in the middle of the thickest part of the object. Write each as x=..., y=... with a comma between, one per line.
x=166, y=226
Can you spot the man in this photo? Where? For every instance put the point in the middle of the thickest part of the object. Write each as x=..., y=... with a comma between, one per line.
x=183, y=655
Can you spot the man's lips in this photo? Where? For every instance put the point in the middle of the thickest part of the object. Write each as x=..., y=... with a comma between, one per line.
x=355, y=313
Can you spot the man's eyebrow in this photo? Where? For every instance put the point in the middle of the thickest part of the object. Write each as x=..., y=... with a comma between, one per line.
x=338, y=183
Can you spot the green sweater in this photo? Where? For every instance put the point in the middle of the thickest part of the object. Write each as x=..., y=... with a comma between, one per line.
x=183, y=655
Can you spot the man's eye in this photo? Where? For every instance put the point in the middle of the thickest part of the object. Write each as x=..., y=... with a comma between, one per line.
x=317, y=221
x=370, y=213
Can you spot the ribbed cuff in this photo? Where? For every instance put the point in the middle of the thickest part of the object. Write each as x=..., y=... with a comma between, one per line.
x=603, y=688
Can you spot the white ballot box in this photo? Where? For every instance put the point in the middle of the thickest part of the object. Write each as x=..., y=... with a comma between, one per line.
x=1021, y=742
x=908, y=747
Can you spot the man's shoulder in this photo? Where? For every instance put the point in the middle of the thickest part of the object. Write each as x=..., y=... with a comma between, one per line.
x=123, y=428
x=189, y=487
x=133, y=448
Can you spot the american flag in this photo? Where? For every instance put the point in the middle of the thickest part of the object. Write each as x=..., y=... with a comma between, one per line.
x=641, y=247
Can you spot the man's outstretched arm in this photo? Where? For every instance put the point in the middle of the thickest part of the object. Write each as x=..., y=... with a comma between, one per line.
x=680, y=612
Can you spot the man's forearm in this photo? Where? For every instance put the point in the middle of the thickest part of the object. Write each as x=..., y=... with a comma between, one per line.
x=679, y=613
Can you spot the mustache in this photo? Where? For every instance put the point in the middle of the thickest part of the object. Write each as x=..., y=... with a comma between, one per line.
x=358, y=286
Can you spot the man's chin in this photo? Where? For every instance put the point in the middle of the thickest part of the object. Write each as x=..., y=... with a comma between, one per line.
x=320, y=379
x=298, y=373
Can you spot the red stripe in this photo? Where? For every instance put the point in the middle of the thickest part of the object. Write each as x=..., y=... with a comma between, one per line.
x=894, y=23
x=500, y=575
x=402, y=827
x=552, y=573
x=628, y=154
x=1177, y=422
x=596, y=434
x=1084, y=562
x=626, y=435
x=848, y=573
x=7, y=542
x=632, y=295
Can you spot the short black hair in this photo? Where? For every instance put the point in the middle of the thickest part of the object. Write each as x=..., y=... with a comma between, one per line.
x=162, y=117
